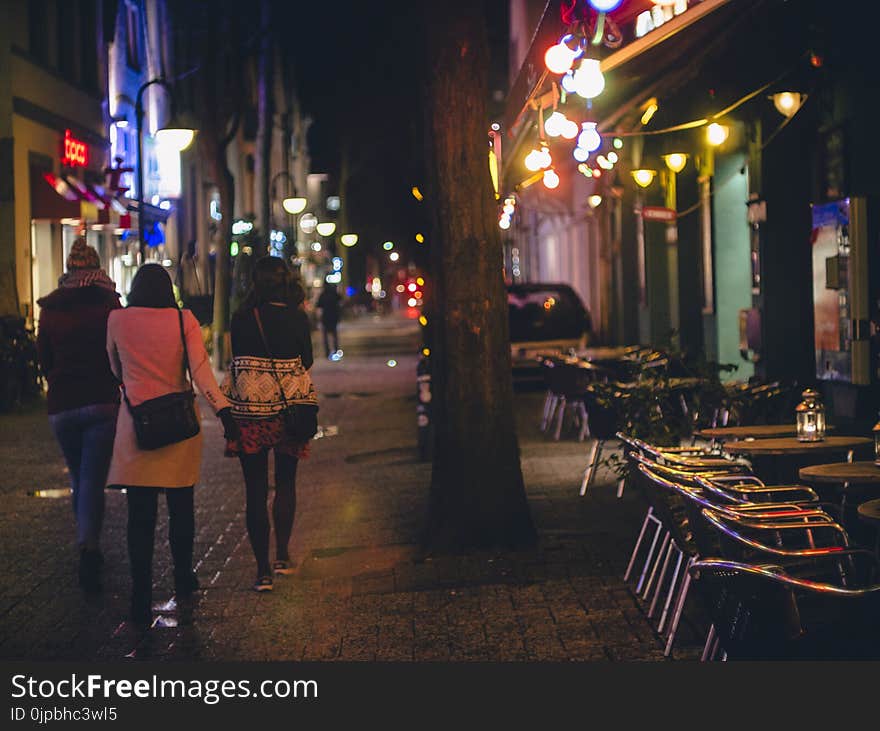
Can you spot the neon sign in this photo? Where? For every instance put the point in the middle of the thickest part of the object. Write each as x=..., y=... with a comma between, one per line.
x=76, y=152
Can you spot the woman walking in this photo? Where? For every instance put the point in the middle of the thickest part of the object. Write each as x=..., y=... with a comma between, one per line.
x=83, y=397
x=152, y=344
x=272, y=352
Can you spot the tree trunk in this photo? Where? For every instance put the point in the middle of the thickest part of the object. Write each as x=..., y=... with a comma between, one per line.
x=263, y=157
x=477, y=496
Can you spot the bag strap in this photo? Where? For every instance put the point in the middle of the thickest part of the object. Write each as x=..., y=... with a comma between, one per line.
x=186, y=367
x=271, y=357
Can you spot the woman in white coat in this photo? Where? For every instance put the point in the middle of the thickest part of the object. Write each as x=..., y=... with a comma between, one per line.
x=146, y=353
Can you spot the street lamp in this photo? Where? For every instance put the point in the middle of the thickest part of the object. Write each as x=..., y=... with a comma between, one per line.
x=175, y=134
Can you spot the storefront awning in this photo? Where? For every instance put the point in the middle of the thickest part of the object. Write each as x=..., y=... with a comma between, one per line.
x=52, y=198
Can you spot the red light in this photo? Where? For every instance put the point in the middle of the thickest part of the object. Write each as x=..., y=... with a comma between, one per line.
x=816, y=60
x=76, y=153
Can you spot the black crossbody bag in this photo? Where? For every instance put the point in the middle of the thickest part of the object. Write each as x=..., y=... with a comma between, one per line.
x=300, y=420
x=167, y=419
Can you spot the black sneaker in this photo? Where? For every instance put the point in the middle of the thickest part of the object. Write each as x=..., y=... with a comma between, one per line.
x=263, y=583
x=284, y=568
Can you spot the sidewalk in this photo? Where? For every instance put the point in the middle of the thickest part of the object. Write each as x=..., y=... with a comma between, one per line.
x=360, y=594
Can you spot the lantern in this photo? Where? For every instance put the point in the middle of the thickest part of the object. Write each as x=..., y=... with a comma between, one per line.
x=810, y=417
x=877, y=444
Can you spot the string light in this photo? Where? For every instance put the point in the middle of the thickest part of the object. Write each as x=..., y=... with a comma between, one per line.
x=560, y=57
x=589, y=138
x=551, y=179
x=589, y=81
x=594, y=200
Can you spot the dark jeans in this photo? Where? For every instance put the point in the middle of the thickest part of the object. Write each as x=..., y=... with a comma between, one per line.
x=329, y=330
x=142, y=510
x=256, y=480
x=86, y=438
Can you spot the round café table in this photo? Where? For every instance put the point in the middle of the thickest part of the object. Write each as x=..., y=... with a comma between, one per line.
x=780, y=458
x=842, y=473
x=757, y=431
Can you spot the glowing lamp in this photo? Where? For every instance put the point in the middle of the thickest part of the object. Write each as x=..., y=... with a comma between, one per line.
x=326, y=229
x=554, y=123
x=388, y=245
x=533, y=161
x=551, y=179
x=716, y=134
x=175, y=136
x=788, y=102
x=568, y=83
x=394, y=256
x=675, y=161
x=570, y=129
x=589, y=138
x=644, y=177
x=594, y=200
x=544, y=159
x=420, y=238
x=580, y=154
x=604, y=163
x=508, y=209
x=613, y=157
x=294, y=206
x=604, y=6
x=348, y=239
x=618, y=143
x=504, y=223
x=810, y=414
x=308, y=223
x=560, y=57
x=588, y=79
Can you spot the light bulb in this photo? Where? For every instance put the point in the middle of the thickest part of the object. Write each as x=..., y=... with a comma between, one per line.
x=560, y=57
x=508, y=209
x=585, y=170
x=675, y=161
x=504, y=223
x=553, y=125
x=551, y=179
x=613, y=157
x=294, y=206
x=326, y=229
x=594, y=200
x=348, y=239
x=533, y=161
x=716, y=134
x=787, y=102
x=604, y=163
x=175, y=138
x=589, y=138
x=644, y=177
x=588, y=79
x=580, y=154
x=568, y=83
x=570, y=129
x=604, y=6
x=544, y=158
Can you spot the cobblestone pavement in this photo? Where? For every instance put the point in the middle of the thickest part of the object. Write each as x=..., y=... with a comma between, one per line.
x=362, y=592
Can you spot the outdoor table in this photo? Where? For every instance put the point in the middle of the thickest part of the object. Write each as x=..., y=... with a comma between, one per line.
x=779, y=459
x=844, y=474
x=756, y=431
x=869, y=513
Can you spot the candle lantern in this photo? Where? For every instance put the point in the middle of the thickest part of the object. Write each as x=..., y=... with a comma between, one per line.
x=877, y=443
x=810, y=417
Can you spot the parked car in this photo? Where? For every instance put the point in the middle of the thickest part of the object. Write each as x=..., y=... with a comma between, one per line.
x=544, y=319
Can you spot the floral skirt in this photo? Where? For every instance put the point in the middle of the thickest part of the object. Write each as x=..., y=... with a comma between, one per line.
x=258, y=435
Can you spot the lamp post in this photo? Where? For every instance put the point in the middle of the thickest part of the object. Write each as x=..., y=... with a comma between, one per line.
x=178, y=135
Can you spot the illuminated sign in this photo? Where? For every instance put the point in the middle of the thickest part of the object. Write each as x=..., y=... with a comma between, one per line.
x=658, y=15
x=76, y=153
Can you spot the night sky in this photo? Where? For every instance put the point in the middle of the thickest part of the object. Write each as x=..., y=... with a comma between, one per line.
x=359, y=74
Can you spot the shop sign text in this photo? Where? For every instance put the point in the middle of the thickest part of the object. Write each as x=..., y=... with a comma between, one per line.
x=76, y=152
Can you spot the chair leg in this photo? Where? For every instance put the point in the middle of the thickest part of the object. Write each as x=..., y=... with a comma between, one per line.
x=593, y=459
x=561, y=407
x=672, y=586
x=709, y=645
x=585, y=422
x=621, y=485
x=659, y=588
x=649, y=557
x=649, y=516
x=656, y=565
x=679, y=607
x=549, y=404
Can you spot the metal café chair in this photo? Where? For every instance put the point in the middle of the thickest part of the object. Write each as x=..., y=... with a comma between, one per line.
x=758, y=612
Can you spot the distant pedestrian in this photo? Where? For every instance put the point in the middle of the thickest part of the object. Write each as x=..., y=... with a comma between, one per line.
x=146, y=349
x=328, y=303
x=83, y=397
x=271, y=357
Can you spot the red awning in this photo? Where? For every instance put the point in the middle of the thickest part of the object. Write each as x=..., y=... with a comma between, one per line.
x=51, y=197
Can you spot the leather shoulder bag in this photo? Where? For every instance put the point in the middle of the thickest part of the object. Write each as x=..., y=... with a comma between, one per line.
x=167, y=419
x=300, y=420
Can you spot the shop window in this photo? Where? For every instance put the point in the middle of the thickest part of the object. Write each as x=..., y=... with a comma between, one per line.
x=132, y=37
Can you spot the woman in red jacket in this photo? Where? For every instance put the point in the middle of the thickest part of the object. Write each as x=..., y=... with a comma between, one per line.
x=83, y=397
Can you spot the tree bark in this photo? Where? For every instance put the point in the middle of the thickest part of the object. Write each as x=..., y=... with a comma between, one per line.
x=477, y=495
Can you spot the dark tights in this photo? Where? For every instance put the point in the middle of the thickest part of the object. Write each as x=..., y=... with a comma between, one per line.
x=256, y=479
x=142, y=510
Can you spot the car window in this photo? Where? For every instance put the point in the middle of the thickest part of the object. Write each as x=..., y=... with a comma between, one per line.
x=545, y=314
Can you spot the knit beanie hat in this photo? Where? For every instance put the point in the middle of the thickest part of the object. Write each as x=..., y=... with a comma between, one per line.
x=83, y=256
